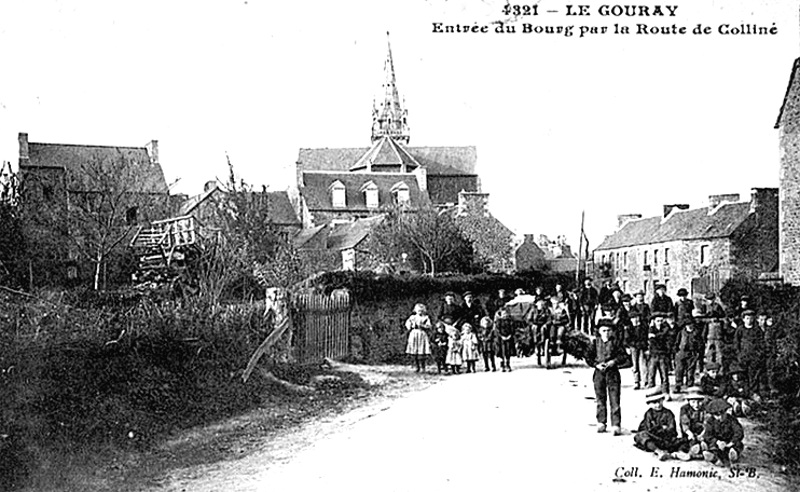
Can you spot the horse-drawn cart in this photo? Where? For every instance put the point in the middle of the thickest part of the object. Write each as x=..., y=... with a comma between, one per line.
x=537, y=332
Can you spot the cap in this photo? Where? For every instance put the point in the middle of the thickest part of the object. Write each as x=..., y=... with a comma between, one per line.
x=694, y=393
x=450, y=293
x=626, y=297
x=711, y=296
x=467, y=293
x=660, y=286
x=683, y=292
x=748, y=312
x=717, y=406
x=605, y=322
x=639, y=293
x=660, y=314
x=744, y=298
x=712, y=366
x=654, y=396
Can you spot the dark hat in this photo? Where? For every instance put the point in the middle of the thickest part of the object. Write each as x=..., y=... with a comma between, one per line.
x=626, y=297
x=735, y=369
x=467, y=293
x=683, y=292
x=660, y=286
x=639, y=293
x=449, y=293
x=711, y=296
x=605, y=322
x=717, y=406
x=660, y=314
x=744, y=298
x=654, y=396
x=616, y=288
x=748, y=312
x=712, y=366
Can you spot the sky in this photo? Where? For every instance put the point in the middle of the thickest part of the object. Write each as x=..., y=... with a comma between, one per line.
x=608, y=123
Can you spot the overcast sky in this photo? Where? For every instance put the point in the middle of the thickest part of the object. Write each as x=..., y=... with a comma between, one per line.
x=611, y=124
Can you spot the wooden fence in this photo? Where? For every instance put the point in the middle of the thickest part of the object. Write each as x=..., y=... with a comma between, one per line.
x=322, y=326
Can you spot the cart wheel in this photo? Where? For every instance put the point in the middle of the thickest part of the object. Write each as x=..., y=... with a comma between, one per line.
x=547, y=352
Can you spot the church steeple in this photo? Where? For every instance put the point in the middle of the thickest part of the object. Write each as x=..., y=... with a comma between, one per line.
x=389, y=118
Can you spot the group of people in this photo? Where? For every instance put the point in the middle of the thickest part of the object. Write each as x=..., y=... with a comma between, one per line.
x=720, y=354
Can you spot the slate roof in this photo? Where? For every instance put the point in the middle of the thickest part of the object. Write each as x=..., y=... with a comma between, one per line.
x=318, y=196
x=790, y=108
x=386, y=152
x=437, y=160
x=280, y=209
x=337, y=236
x=149, y=177
x=680, y=226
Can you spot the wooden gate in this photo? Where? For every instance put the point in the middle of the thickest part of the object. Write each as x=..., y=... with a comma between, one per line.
x=322, y=326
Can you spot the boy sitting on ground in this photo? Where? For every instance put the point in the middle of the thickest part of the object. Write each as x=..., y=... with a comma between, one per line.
x=692, y=421
x=657, y=433
x=722, y=434
x=714, y=384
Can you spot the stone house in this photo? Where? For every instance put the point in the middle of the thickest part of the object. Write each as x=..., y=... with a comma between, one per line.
x=698, y=249
x=337, y=246
x=788, y=125
x=65, y=187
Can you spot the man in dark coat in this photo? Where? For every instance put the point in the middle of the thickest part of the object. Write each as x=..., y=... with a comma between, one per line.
x=588, y=299
x=657, y=432
x=451, y=308
x=607, y=355
x=686, y=357
x=497, y=302
x=713, y=350
x=661, y=302
x=505, y=333
x=752, y=352
x=722, y=434
x=605, y=293
x=471, y=311
x=622, y=319
x=637, y=342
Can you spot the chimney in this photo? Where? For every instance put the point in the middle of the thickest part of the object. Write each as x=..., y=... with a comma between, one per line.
x=669, y=208
x=152, y=151
x=716, y=200
x=764, y=200
x=422, y=178
x=625, y=218
x=472, y=203
x=24, y=157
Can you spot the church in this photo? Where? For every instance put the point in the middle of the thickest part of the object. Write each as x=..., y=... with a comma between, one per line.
x=341, y=193
x=342, y=184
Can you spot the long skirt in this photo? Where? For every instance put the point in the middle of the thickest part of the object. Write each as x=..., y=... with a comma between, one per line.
x=418, y=343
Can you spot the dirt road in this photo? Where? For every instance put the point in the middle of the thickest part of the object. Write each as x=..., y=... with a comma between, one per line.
x=528, y=428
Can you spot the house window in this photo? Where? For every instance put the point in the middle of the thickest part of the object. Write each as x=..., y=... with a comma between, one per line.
x=655, y=257
x=666, y=256
x=644, y=286
x=625, y=260
x=704, y=254
x=603, y=259
x=645, y=259
x=338, y=194
x=401, y=193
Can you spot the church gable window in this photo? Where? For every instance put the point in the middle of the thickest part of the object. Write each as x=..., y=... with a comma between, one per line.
x=337, y=190
x=370, y=190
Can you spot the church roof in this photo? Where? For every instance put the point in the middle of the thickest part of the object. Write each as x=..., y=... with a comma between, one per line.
x=146, y=176
x=459, y=161
x=386, y=152
x=318, y=197
x=680, y=225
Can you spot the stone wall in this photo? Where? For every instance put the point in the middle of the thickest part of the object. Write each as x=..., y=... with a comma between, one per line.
x=789, y=222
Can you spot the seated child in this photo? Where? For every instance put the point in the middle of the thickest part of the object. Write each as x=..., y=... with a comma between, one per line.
x=692, y=421
x=722, y=434
x=657, y=432
x=712, y=383
x=741, y=401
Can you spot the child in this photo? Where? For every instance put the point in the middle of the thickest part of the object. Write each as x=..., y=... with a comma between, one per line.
x=439, y=348
x=418, y=344
x=712, y=383
x=505, y=333
x=722, y=434
x=488, y=339
x=469, y=347
x=658, y=337
x=686, y=358
x=453, y=349
x=692, y=420
x=741, y=401
x=657, y=432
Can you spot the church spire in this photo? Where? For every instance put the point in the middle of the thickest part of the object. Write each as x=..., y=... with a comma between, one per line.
x=389, y=118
